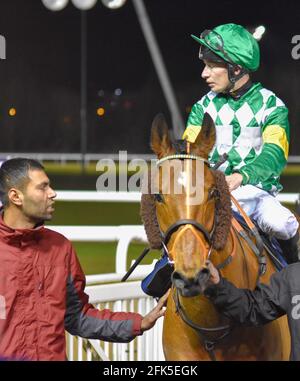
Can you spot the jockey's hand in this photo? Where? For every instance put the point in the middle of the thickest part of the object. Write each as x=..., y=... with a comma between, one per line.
x=214, y=273
x=234, y=181
x=158, y=311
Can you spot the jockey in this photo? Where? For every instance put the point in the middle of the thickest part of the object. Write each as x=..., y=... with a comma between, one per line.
x=252, y=128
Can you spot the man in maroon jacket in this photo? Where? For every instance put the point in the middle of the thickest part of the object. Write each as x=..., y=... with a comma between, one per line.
x=41, y=281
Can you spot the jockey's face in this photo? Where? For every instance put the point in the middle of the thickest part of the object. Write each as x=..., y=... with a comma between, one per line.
x=216, y=76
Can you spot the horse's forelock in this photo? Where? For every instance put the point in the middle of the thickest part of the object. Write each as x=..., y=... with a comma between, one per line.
x=180, y=146
x=149, y=219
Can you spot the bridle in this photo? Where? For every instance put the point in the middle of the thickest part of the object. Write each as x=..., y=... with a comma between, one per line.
x=209, y=344
x=166, y=236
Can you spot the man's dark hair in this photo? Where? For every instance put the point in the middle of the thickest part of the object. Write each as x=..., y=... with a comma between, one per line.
x=14, y=174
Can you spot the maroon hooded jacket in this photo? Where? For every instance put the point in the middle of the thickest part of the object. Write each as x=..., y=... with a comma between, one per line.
x=42, y=294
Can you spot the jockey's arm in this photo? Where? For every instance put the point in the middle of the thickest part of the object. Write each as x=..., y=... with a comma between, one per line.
x=273, y=157
x=194, y=123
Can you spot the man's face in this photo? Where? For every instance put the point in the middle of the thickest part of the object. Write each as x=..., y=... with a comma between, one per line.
x=38, y=197
x=216, y=76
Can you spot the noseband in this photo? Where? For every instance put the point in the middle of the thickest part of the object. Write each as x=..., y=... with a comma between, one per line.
x=172, y=229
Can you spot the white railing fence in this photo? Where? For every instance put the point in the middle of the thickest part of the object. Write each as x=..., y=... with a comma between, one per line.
x=127, y=297
x=119, y=297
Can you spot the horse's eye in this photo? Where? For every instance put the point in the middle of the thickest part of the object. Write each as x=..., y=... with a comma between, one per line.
x=158, y=197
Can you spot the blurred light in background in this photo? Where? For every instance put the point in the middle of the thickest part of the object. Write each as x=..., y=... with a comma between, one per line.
x=84, y=4
x=113, y=4
x=118, y=92
x=66, y=119
x=259, y=32
x=100, y=111
x=127, y=105
x=12, y=111
x=55, y=5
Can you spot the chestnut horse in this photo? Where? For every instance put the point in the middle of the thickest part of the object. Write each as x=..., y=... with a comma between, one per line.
x=191, y=232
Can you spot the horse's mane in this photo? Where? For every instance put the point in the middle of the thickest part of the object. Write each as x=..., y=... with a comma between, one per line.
x=223, y=214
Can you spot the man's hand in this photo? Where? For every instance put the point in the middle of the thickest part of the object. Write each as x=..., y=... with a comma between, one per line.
x=158, y=311
x=214, y=273
x=234, y=181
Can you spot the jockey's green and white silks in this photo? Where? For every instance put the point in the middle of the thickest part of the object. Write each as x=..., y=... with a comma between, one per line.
x=234, y=44
x=253, y=131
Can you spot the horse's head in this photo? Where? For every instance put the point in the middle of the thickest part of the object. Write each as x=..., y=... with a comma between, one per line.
x=189, y=212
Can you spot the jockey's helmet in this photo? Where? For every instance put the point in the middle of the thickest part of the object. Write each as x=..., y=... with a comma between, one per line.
x=231, y=44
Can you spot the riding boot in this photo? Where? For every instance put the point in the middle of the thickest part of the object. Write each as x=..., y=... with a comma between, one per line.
x=290, y=248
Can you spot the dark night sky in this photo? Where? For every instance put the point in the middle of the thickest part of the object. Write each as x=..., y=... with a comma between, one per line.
x=41, y=76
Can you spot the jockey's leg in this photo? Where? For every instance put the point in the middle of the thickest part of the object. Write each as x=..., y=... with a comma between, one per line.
x=281, y=223
x=248, y=198
x=273, y=218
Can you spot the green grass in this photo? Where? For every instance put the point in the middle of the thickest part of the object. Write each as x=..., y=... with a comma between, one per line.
x=99, y=258
x=96, y=213
x=75, y=168
x=292, y=170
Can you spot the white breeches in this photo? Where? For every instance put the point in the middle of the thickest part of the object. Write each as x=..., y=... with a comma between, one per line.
x=273, y=218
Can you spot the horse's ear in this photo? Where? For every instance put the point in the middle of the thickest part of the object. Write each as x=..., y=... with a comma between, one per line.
x=206, y=137
x=160, y=139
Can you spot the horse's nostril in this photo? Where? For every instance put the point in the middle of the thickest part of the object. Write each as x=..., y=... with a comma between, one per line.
x=187, y=287
x=205, y=270
x=178, y=280
x=203, y=276
x=176, y=275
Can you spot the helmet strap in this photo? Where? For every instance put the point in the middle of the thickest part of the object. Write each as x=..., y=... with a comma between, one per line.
x=233, y=78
